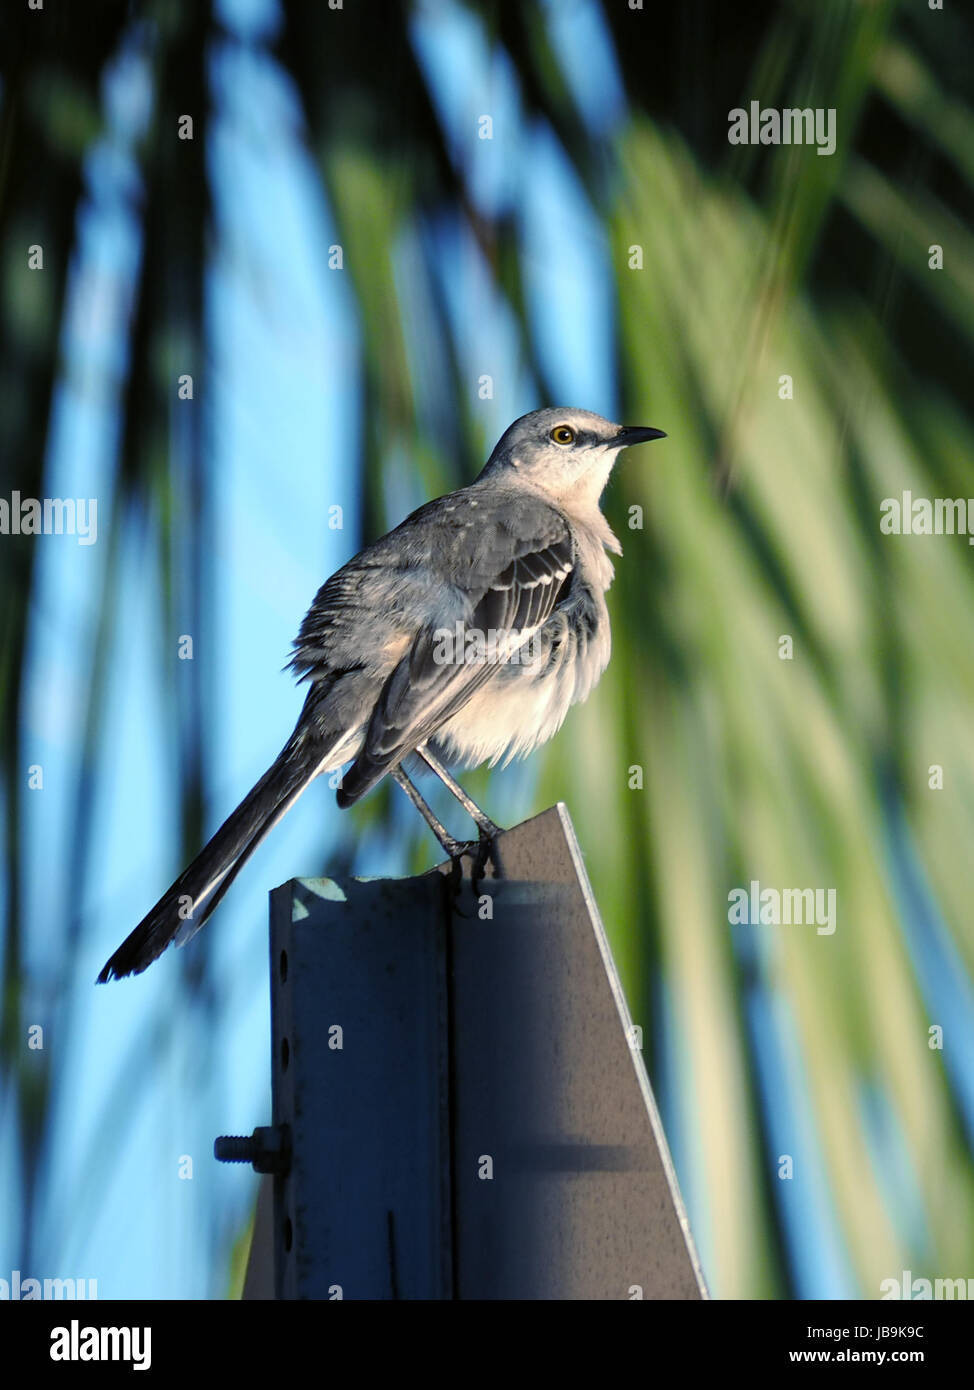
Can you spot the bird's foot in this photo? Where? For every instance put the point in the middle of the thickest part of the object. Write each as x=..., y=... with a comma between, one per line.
x=486, y=829
x=481, y=851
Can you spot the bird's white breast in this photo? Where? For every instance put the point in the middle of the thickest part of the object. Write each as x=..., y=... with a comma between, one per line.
x=523, y=704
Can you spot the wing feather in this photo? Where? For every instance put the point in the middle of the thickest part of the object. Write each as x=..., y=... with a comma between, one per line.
x=423, y=692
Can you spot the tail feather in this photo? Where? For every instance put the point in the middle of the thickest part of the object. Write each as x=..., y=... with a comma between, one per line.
x=186, y=905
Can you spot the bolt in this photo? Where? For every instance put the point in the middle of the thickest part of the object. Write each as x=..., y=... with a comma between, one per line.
x=268, y=1149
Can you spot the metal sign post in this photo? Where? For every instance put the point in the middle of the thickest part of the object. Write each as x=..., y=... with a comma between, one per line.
x=459, y=1111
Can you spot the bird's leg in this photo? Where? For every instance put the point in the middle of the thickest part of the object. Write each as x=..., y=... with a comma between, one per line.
x=480, y=850
x=485, y=826
x=453, y=847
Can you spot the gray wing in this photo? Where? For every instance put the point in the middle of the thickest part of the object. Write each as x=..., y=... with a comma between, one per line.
x=512, y=571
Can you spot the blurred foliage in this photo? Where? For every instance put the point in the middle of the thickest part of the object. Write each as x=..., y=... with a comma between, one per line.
x=760, y=519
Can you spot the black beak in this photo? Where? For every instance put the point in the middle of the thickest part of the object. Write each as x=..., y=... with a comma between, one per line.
x=637, y=434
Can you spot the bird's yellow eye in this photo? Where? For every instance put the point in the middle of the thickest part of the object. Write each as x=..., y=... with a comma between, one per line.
x=563, y=434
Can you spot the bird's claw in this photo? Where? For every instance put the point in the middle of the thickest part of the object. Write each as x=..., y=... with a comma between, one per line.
x=481, y=851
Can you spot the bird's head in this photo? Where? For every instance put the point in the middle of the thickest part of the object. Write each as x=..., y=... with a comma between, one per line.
x=567, y=453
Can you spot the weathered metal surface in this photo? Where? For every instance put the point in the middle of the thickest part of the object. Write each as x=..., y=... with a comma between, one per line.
x=583, y=1201
x=358, y=1006
x=467, y=1115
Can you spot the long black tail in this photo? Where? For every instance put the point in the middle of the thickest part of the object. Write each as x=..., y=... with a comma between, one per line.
x=183, y=909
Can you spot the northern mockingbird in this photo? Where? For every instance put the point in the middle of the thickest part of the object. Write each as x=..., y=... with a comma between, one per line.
x=465, y=634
